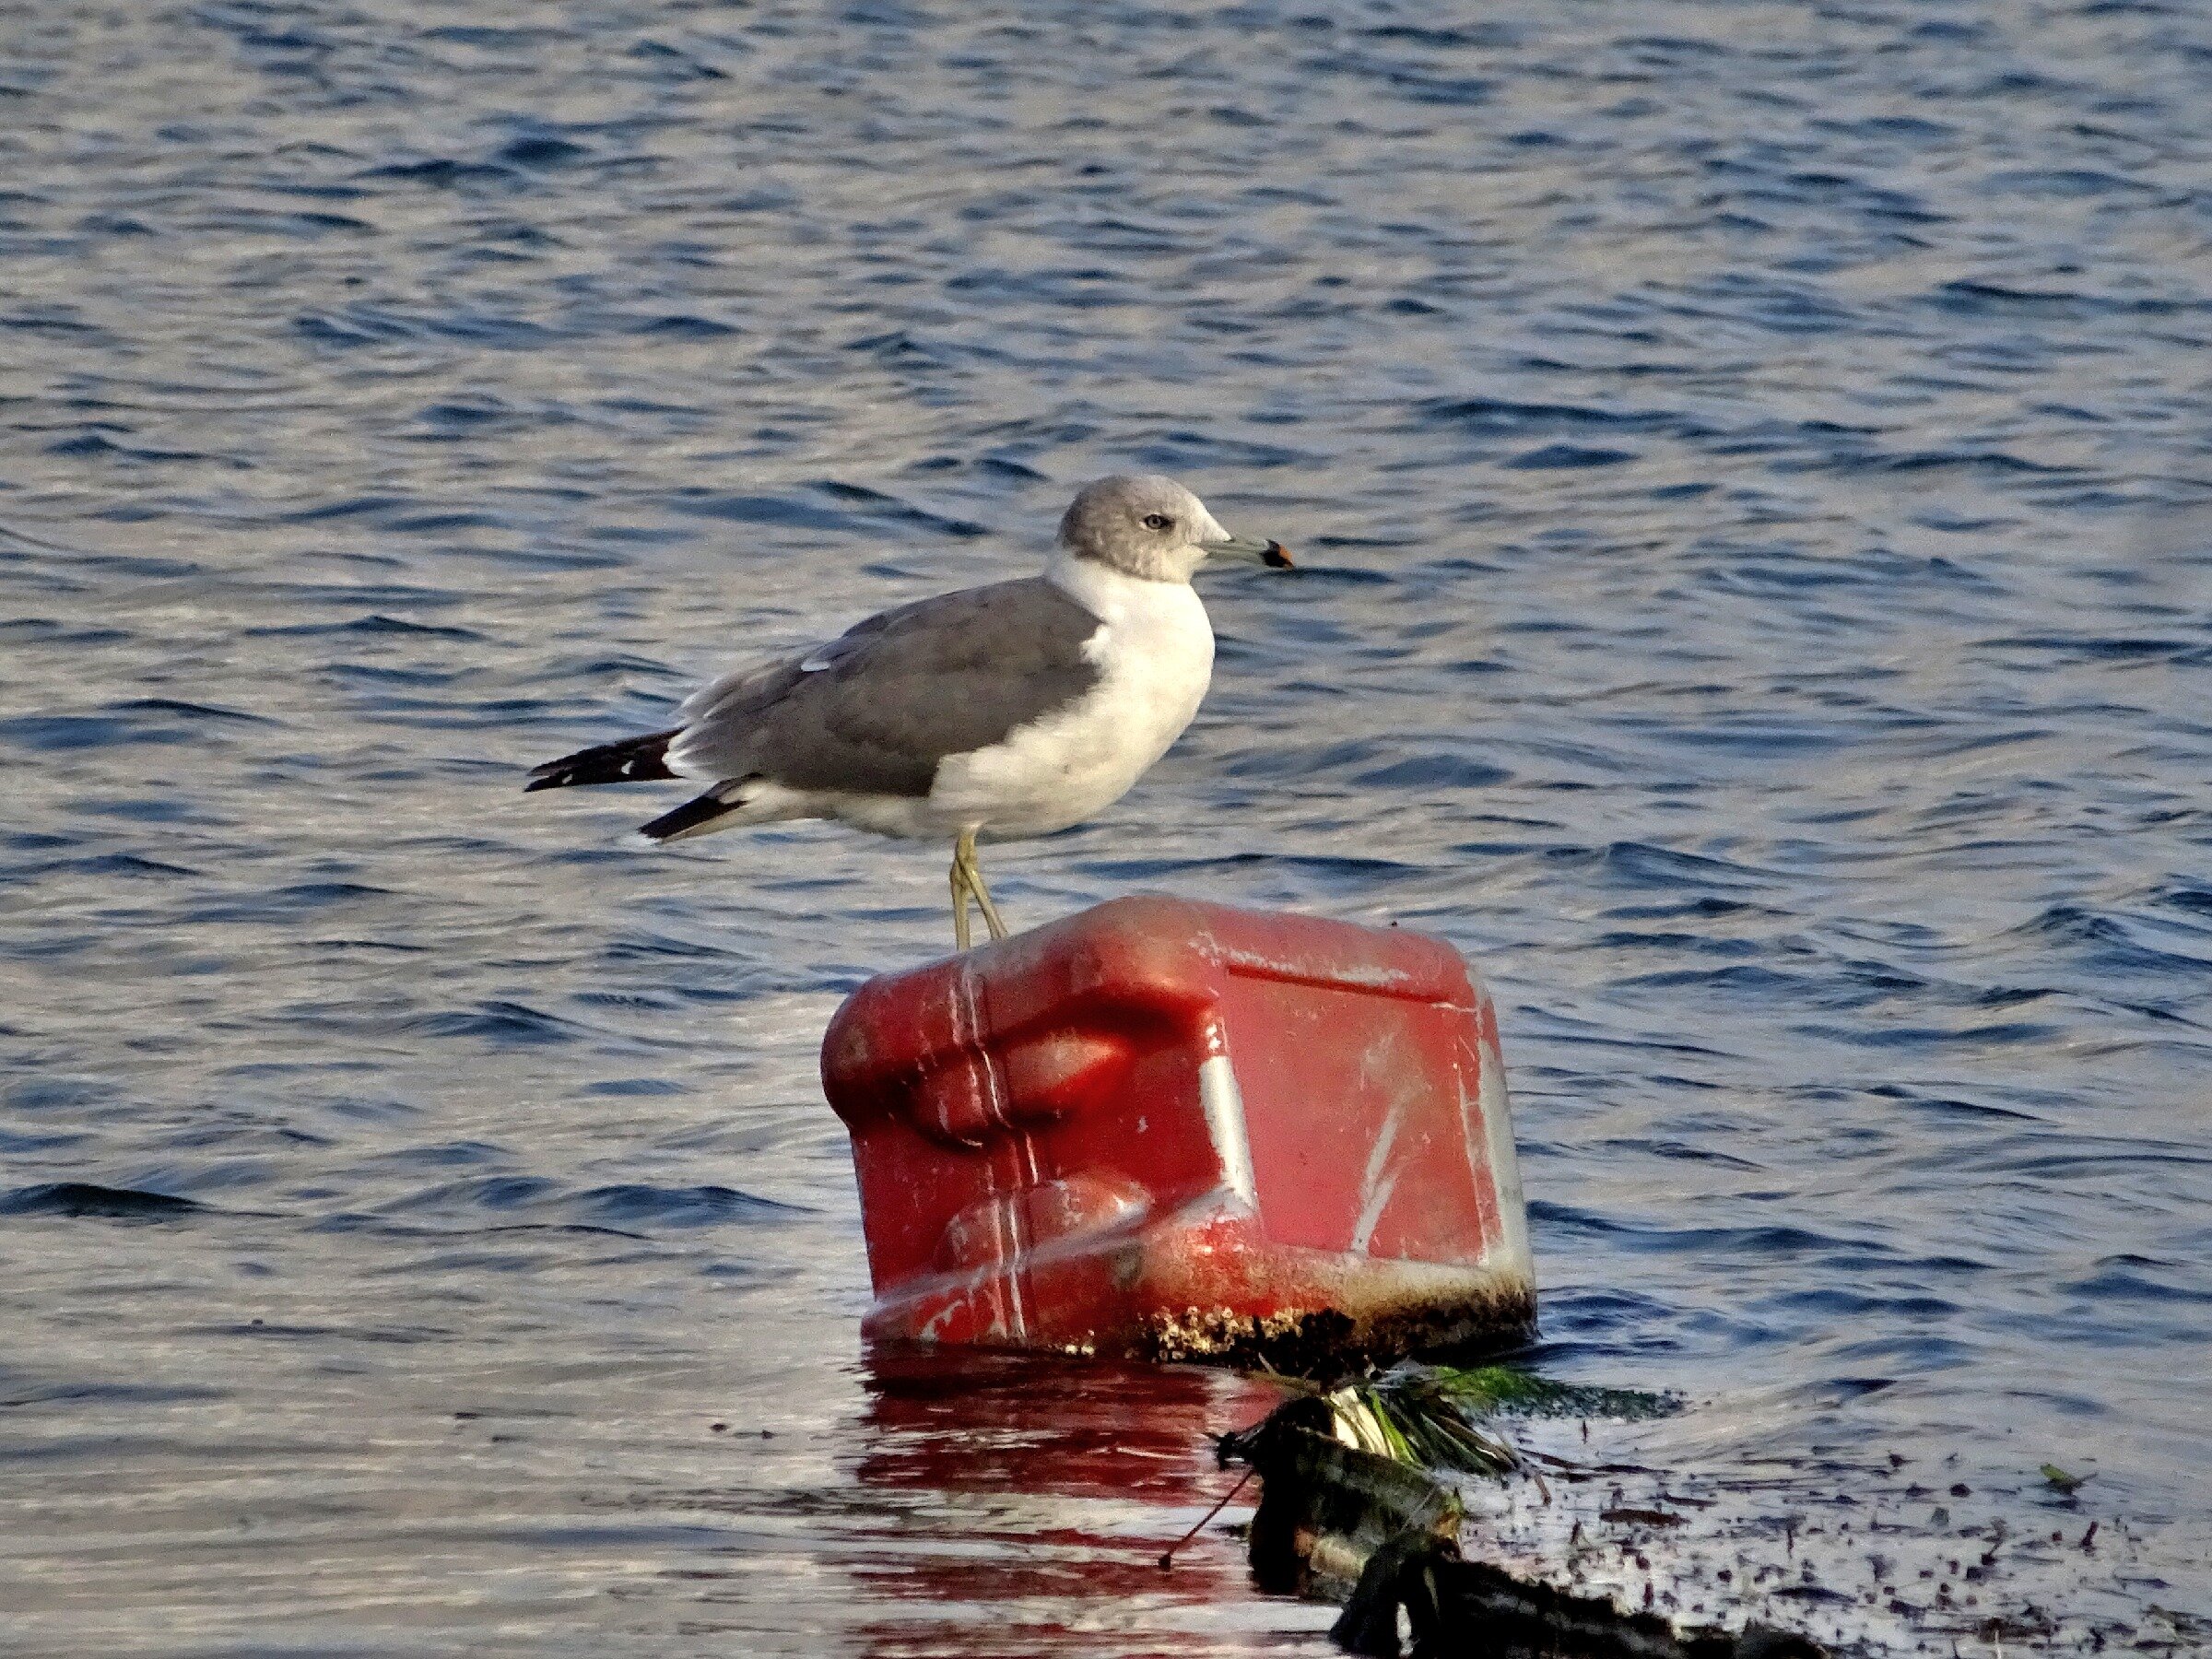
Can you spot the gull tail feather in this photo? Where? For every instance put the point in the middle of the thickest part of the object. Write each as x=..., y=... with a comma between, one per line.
x=631, y=761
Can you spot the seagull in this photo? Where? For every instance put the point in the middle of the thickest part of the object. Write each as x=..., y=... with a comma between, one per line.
x=1011, y=710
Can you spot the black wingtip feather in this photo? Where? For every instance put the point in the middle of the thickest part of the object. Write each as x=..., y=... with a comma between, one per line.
x=630, y=760
x=693, y=818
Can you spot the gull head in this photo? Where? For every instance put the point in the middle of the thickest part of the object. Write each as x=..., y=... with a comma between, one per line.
x=1151, y=527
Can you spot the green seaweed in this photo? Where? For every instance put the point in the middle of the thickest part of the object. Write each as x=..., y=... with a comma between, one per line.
x=1397, y=1418
x=1507, y=1391
x=2067, y=1485
x=1424, y=1416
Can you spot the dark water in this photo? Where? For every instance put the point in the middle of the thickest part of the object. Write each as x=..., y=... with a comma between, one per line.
x=1753, y=462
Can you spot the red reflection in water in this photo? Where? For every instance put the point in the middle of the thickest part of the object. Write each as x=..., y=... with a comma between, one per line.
x=995, y=1422
x=1042, y=1494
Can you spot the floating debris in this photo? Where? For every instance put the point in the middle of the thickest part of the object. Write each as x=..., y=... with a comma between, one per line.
x=1453, y=1500
x=1367, y=1527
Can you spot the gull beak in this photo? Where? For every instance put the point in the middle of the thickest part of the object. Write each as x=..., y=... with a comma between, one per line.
x=1251, y=550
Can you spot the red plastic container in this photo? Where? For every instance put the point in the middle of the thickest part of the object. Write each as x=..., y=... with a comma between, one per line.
x=1175, y=1130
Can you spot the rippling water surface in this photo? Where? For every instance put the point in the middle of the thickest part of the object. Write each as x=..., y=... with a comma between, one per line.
x=1752, y=466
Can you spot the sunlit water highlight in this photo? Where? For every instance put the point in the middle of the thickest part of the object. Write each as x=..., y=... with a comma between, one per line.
x=1751, y=461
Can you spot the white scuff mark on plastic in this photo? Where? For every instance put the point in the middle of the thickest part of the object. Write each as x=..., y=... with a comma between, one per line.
x=1008, y=1292
x=1495, y=1147
x=1381, y=1179
x=1223, y=1105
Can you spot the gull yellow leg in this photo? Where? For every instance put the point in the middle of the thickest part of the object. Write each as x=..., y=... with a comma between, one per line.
x=959, y=903
x=968, y=874
x=982, y=897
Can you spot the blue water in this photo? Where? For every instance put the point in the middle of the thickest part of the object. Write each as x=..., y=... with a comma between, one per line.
x=1751, y=468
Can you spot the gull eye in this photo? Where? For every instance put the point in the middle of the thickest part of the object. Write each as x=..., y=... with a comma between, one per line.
x=1158, y=521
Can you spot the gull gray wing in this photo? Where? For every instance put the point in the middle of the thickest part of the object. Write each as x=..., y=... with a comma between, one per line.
x=875, y=710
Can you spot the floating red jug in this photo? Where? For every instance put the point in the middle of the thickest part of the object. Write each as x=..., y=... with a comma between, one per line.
x=1174, y=1130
